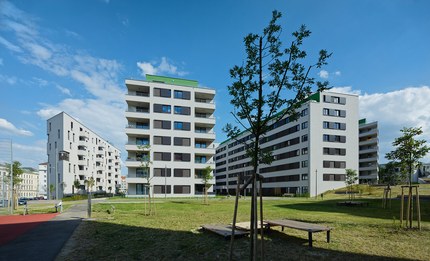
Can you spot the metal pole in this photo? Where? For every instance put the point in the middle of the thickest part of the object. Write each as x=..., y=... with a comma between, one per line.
x=316, y=184
x=165, y=181
x=11, y=179
x=56, y=173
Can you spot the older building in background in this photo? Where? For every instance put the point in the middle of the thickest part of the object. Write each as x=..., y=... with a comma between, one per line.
x=368, y=152
x=29, y=186
x=310, y=154
x=77, y=153
x=170, y=122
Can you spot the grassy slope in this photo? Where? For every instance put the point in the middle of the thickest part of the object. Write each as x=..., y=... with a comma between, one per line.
x=369, y=233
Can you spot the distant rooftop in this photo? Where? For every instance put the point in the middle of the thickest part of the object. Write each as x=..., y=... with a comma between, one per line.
x=171, y=80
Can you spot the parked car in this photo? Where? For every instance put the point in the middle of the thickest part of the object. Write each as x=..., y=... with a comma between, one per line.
x=22, y=201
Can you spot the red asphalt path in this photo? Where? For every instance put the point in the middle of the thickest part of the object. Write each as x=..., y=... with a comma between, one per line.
x=13, y=226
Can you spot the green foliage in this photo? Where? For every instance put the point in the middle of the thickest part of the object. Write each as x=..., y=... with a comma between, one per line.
x=269, y=75
x=388, y=174
x=408, y=150
x=351, y=178
x=17, y=172
x=77, y=184
x=90, y=182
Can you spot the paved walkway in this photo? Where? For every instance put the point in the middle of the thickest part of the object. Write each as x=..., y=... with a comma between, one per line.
x=45, y=240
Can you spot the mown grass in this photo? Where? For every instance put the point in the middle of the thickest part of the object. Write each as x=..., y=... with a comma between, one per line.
x=359, y=233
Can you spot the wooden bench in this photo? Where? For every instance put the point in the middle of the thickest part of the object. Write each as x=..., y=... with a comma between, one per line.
x=224, y=230
x=311, y=228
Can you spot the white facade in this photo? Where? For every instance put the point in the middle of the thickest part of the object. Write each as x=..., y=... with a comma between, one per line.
x=310, y=154
x=123, y=188
x=43, y=179
x=368, y=149
x=175, y=118
x=77, y=153
x=29, y=186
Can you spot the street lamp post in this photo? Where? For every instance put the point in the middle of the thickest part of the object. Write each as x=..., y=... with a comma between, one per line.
x=316, y=184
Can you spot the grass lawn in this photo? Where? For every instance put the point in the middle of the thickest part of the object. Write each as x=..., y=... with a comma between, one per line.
x=359, y=233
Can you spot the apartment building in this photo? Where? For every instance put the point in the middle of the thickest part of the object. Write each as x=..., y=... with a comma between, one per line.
x=368, y=152
x=43, y=179
x=171, y=125
x=77, y=153
x=310, y=154
x=29, y=186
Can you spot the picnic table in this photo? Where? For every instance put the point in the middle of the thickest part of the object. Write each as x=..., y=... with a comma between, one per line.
x=309, y=227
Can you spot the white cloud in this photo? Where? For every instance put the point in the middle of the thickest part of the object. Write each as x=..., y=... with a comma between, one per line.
x=64, y=90
x=345, y=89
x=323, y=74
x=10, y=45
x=394, y=110
x=8, y=79
x=337, y=73
x=163, y=67
x=9, y=128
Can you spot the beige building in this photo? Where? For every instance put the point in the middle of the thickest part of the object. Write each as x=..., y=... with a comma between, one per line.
x=29, y=186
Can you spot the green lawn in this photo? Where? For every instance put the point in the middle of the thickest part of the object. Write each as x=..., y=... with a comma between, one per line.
x=359, y=233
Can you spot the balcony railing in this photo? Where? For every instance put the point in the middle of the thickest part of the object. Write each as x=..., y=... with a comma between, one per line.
x=146, y=110
x=142, y=94
x=134, y=126
x=204, y=101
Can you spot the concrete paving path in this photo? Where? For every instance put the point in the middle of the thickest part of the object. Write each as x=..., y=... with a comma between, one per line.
x=46, y=240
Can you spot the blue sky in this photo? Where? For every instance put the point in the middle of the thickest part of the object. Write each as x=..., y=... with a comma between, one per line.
x=74, y=56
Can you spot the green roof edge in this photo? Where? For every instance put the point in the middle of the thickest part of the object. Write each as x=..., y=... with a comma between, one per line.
x=172, y=80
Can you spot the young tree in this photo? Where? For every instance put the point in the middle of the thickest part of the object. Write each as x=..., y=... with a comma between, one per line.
x=351, y=178
x=408, y=151
x=207, y=177
x=269, y=86
x=52, y=190
x=388, y=174
x=77, y=185
x=145, y=163
x=90, y=182
x=16, y=178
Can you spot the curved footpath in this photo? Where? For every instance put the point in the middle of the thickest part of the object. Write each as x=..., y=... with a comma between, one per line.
x=32, y=237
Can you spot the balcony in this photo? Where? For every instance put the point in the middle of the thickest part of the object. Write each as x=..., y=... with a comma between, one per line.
x=82, y=162
x=82, y=143
x=133, y=129
x=368, y=142
x=368, y=150
x=372, y=132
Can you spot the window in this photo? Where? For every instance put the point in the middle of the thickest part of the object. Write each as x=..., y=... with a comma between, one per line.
x=334, y=164
x=162, y=124
x=182, y=157
x=179, y=125
x=304, y=138
x=162, y=156
x=182, y=173
x=58, y=133
x=142, y=141
x=142, y=173
x=162, y=189
x=304, y=164
x=304, y=112
x=182, y=110
x=304, y=125
x=182, y=95
x=142, y=125
x=304, y=176
x=166, y=108
x=200, y=159
x=200, y=144
x=159, y=92
x=326, y=111
x=142, y=109
x=304, y=151
x=162, y=140
x=178, y=141
x=182, y=189
x=334, y=177
x=161, y=172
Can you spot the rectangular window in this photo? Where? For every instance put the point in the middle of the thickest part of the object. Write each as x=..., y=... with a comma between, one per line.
x=159, y=92
x=142, y=141
x=182, y=189
x=162, y=189
x=182, y=157
x=200, y=144
x=162, y=108
x=326, y=111
x=162, y=156
x=304, y=125
x=304, y=112
x=334, y=164
x=304, y=176
x=161, y=172
x=162, y=140
x=305, y=138
x=182, y=95
x=142, y=173
x=304, y=164
x=179, y=125
x=182, y=173
x=162, y=124
x=304, y=151
x=142, y=125
x=178, y=141
x=334, y=177
x=182, y=110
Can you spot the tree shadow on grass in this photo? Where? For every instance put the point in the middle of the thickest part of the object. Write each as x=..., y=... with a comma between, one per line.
x=99, y=240
x=373, y=210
